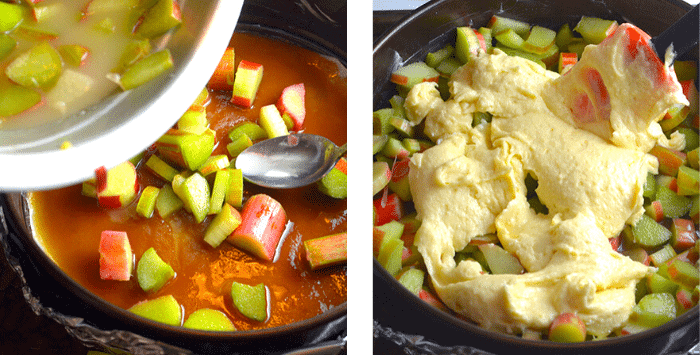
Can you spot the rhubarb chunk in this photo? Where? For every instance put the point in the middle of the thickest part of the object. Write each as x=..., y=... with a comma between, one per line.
x=160, y=18
x=116, y=257
x=291, y=105
x=251, y=301
x=263, y=221
x=567, y=328
x=147, y=201
x=335, y=182
x=222, y=79
x=272, y=122
x=15, y=99
x=186, y=149
x=654, y=310
x=152, y=272
x=414, y=73
x=500, y=261
x=11, y=15
x=225, y=222
x=118, y=186
x=164, y=309
x=146, y=69
x=209, y=319
x=246, y=83
x=38, y=67
x=326, y=251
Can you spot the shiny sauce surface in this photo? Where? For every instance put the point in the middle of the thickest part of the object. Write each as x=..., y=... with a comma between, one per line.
x=69, y=224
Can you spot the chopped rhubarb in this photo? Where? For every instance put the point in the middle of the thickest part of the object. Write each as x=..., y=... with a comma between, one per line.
x=219, y=190
x=225, y=222
x=335, y=182
x=430, y=299
x=146, y=69
x=186, y=149
x=152, y=272
x=389, y=208
x=567, y=328
x=11, y=15
x=118, y=186
x=222, y=79
x=38, y=67
x=164, y=309
x=468, y=44
x=251, y=301
x=116, y=257
x=594, y=30
x=291, y=104
x=246, y=83
x=209, y=319
x=74, y=54
x=500, y=24
x=160, y=18
x=326, y=251
x=147, y=201
x=566, y=61
x=272, y=122
x=683, y=234
x=399, y=179
x=414, y=73
x=263, y=221
x=234, y=194
x=161, y=168
x=383, y=234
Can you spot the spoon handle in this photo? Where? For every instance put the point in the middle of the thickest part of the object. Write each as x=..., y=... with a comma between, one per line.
x=683, y=35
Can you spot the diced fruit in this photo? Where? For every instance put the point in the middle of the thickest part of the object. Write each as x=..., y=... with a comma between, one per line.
x=650, y=234
x=655, y=211
x=335, y=182
x=213, y=164
x=388, y=208
x=118, y=186
x=234, y=195
x=390, y=256
x=263, y=221
x=673, y=205
x=669, y=160
x=74, y=54
x=116, y=258
x=160, y=18
x=683, y=273
x=209, y=319
x=146, y=69
x=186, y=149
x=500, y=24
x=433, y=59
x=638, y=254
x=246, y=83
x=688, y=181
x=674, y=116
x=380, y=121
x=567, y=328
x=414, y=73
x=241, y=143
x=510, y=39
x=167, y=202
x=412, y=279
x=430, y=299
x=195, y=195
x=594, y=30
x=219, y=190
x=291, y=105
x=152, y=272
x=500, y=261
x=15, y=99
x=685, y=69
x=11, y=15
x=271, y=121
x=656, y=283
x=378, y=142
x=394, y=149
x=448, y=66
x=7, y=44
x=161, y=168
x=193, y=121
x=399, y=183
x=564, y=36
x=654, y=310
x=164, y=309
x=70, y=87
x=147, y=201
x=468, y=44
x=251, y=301
x=134, y=51
x=200, y=103
x=222, y=79
x=661, y=256
x=38, y=67
x=326, y=251
x=682, y=234
x=384, y=233
x=225, y=222
x=250, y=129
x=566, y=61
x=540, y=40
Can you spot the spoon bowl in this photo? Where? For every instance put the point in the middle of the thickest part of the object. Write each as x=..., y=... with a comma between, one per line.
x=295, y=160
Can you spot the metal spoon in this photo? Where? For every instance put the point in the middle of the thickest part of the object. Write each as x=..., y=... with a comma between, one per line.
x=683, y=35
x=286, y=162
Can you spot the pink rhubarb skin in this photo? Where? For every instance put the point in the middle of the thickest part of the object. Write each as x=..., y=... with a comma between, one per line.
x=116, y=257
x=263, y=221
x=619, y=90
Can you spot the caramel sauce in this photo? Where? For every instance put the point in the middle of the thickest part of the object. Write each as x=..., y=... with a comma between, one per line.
x=69, y=224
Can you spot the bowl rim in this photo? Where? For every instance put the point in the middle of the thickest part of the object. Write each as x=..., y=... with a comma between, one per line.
x=689, y=317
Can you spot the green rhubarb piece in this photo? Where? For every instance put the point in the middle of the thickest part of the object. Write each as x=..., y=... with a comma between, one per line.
x=147, y=201
x=654, y=310
x=448, y=66
x=650, y=187
x=222, y=181
x=686, y=69
x=213, y=164
x=499, y=24
x=414, y=73
x=152, y=272
x=402, y=126
x=661, y=256
x=11, y=15
x=326, y=251
x=594, y=30
x=35, y=34
x=540, y=40
x=564, y=36
x=567, y=328
x=394, y=149
x=390, y=256
x=510, y=39
x=167, y=202
x=641, y=290
x=15, y=99
x=577, y=45
x=225, y=222
x=106, y=26
x=675, y=115
x=234, y=195
x=500, y=261
x=250, y=129
x=381, y=118
x=164, y=309
x=161, y=168
x=683, y=235
x=412, y=279
x=160, y=18
x=193, y=121
x=397, y=103
x=522, y=54
x=195, y=195
x=271, y=121
x=335, y=182
x=433, y=59
x=467, y=44
x=146, y=69
x=658, y=284
x=688, y=181
x=237, y=146
x=186, y=149
x=684, y=273
x=673, y=205
x=209, y=319
x=251, y=301
x=693, y=158
x=39, y=67
x=381, y=175
x=692, y=139
x=412, y=145
x=7, y=44
x=384, y=233
x=479, y=117
x=133, y=52
x=73, y=54
x=378, y=142
x=488, y=37
x=649, y=234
